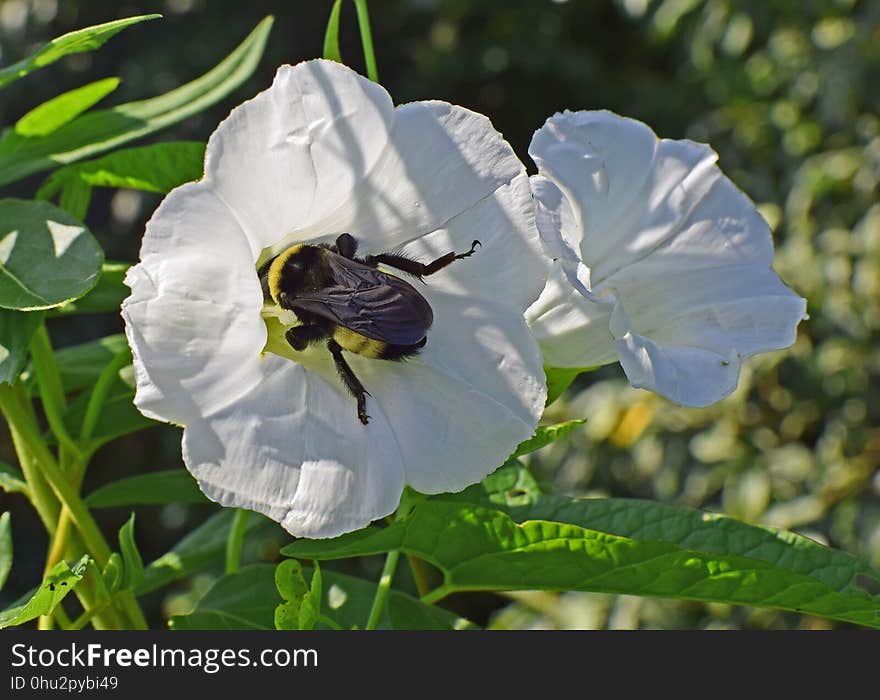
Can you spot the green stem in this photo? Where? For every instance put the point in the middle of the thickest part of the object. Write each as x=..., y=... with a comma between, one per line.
x=420, y=574
x=235, y=539
x=82, y=620
x=77, y=467
x=329, y=622
x=99, y=395
x=52, y=472
x=14, y=401
x=366, y=39
x=383, y=588
x=437, y=594
x=41, y=494
x=51, y=388
x=28, y=436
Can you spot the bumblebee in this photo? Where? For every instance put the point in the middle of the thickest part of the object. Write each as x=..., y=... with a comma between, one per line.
x=347, y=302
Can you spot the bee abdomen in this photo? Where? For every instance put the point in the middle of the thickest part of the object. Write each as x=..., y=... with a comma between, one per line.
x=360, y=344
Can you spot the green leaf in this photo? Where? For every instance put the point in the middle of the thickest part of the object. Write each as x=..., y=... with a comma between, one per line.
x=101, y=130
x=509, y=485
x=669, y=552
x=331, y=36
x=132, y=564
x=76, y=196
x=310, y=611
x=200, y=549
x=244, y=600
x=560, y=378
x=16, y=330
x=105, y=296
x=46, y=256
x=60, y=580
x=157, y=168
x=5, y=548
x=118, y=416
x=347, y=601
x=55, y=113
x=155, y=488
x=545, y=435
x=81, y=40
x=81, y=365
x=248, y=599
x=12, y=480
x=112, y=573
x=292, y=586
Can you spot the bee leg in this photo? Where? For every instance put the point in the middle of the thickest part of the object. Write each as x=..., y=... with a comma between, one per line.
x=346, y=245
x=352, y=383
x=300, y=337
x=416, y=268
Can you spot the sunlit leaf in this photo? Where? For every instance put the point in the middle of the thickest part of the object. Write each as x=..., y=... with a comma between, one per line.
x=509, y=485
x=100, y=130
x=157, y=168
x=727, y=561
x=78, y=41
x=545, y=435
x=46, y=256
x=560, y=378
x=291, y=584
x=57, y=584
x=55, y=113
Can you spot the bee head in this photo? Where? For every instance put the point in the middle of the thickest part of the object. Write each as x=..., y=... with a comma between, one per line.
x=291, y=272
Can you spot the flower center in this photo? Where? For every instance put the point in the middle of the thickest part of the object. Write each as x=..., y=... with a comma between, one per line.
x=278, y=321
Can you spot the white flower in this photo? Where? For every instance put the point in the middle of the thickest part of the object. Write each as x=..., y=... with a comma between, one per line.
x=321, y=152
x=662, y=263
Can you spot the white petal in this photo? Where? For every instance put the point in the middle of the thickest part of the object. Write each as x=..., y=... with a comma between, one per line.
x=686, y=375
x=572, y=331
x=737, y=307
x=440, y=161
x=701, y=324
x=460, y=407
x=193, y=317
x=722, y=227
x=293, y=449
x=599, y=161
x=509, y=268
x=287, y=158
x=681, y=254
x=556, y=219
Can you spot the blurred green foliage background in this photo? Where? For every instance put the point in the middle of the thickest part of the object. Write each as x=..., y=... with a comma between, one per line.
x=788, y=93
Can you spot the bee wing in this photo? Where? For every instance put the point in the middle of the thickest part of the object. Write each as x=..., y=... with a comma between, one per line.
x=370, y=302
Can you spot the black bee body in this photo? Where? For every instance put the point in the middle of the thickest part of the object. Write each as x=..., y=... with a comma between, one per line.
x=351, y=304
